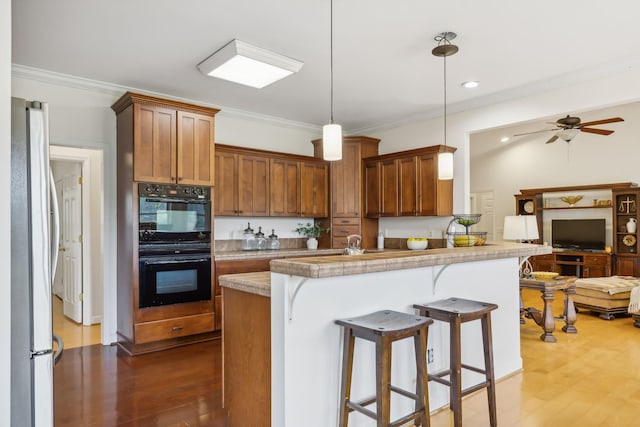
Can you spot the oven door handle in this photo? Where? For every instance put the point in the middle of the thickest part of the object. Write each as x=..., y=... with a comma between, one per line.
x=180, y=261
x=170, y=200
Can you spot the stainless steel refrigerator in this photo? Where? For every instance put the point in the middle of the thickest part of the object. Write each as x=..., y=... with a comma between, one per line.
x=33, y=252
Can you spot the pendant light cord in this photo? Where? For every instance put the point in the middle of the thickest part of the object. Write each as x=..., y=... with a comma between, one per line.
x=445, y=100
x=331, y=57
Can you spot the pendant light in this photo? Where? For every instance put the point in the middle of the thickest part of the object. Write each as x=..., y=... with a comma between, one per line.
x=332, y=133
x=444, y=49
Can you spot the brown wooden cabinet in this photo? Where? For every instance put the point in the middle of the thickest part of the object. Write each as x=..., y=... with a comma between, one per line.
x=285, y=188
x=625, y=242
x=160, y=141
x=347, y=178
x=172, y=142
x=581, y=264
x=299, y=188
x=243, y=184
x=407, y=184
x=314, y=190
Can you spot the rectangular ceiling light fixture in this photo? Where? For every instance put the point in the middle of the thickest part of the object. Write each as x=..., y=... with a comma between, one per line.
x=248, y=65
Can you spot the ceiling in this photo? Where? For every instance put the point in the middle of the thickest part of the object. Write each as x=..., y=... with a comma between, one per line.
x=383, y=68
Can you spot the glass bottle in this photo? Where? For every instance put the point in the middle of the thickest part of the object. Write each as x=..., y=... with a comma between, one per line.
x=261, y=242
x=248, y=239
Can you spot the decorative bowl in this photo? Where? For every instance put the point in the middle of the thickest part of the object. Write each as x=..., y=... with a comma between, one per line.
x=544, y=275
x=473, y=238
x=571, y=200
x=417, y=245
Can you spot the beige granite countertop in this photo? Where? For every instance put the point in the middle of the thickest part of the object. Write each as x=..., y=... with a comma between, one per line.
x=342, y=265
x=254, y=283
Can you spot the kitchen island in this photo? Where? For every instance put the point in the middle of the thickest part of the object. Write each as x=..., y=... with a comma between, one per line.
x=303, y=296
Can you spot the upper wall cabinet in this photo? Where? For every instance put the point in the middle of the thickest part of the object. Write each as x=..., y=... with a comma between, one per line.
x=264, y=183
x=406, y=184
x=170, y=142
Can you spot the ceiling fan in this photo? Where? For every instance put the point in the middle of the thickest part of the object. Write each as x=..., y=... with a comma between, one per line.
x=568, y=127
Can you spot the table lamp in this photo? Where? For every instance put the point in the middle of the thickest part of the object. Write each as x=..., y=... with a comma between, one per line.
x=521, y=228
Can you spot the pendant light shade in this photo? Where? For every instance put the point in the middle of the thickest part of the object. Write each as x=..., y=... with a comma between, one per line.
x=445, y=165
x=331, y=133
x=444, y=49
x=332, y=142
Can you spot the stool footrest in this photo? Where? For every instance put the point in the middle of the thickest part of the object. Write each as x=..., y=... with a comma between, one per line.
x=355, y=406
x=404, y=420
x=476, y=387
x=405, y=393
x=473, y=368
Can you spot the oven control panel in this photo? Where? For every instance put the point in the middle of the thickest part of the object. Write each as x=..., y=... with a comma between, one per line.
x=173, y=190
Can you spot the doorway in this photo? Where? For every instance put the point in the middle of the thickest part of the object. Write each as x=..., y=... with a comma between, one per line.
x=482, y=202
x=78, y=283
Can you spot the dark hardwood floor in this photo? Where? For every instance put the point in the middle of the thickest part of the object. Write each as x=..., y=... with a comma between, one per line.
x=95, y=386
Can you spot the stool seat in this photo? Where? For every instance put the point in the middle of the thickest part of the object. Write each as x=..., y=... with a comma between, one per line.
x=386, y=322
x=456, y=311
x=383, y=328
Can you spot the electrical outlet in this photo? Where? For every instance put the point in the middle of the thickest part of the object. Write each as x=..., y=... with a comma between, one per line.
x=430, y=356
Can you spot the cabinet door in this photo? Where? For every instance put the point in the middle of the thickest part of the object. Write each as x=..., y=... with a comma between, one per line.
x=253, y=185
x=284, y=183
x=388, y=188
x=596, y=266
x=154, y=144
x=346, y=188
x=226, y=190
x=428, y=185
x=372, y=189
x=195, y=152
x=626, y=266
x=408, y=186
x=314, y=190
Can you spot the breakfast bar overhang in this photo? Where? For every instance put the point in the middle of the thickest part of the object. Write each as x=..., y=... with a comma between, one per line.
x=308, y=294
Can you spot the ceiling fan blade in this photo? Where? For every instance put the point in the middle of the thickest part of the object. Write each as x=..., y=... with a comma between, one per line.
x=552, y=139
x=602, y=122
x=537, y=131
x=597, y=131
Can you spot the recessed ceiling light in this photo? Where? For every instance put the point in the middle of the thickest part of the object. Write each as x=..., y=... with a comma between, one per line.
x=470, y=84
x=504, y=139
x=248, y=65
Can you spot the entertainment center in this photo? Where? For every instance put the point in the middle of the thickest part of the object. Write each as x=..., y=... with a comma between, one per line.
x=591, y=227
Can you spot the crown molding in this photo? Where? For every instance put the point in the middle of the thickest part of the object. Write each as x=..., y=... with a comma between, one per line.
x=112, y=89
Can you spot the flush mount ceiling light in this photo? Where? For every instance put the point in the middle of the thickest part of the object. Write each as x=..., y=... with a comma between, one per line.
x=248, y=65
x=444, y=49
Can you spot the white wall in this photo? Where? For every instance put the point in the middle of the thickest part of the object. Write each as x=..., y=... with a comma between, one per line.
x=618, y=88
x=80, y=116
x=5, y=207
x=589, y=159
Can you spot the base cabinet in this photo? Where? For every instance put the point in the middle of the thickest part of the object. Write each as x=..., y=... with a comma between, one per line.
x=626, y=266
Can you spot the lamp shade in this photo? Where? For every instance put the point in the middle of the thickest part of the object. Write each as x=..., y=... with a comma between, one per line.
x=521, y=227
x=567, y=134
x=445, y=165
x=332, y=142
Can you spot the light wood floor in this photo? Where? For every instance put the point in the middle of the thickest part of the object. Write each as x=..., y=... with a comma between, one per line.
x=590, y=379
x=72, y=333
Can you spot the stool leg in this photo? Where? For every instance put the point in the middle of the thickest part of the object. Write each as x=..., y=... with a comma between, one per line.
x=422, y=389
x=488, y=367
x=347, y=369
x=455, y=362
x=383, y=380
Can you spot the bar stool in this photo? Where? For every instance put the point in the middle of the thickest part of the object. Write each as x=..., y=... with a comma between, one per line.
x=383, y=328
x=456, y=311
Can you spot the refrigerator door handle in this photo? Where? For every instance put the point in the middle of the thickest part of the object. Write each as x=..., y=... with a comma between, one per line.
x=55, y=226
x=58, y=354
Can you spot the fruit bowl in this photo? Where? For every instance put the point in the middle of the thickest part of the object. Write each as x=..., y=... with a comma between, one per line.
x=544, y=275
x=473, y=238
x=417, y=243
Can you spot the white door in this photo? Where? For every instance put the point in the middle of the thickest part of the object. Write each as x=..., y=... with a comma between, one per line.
x=71, y=244
x=482, y=203
x=58, y=286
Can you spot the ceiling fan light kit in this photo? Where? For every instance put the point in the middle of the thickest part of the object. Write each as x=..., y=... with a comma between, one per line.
x=248, y=65
x=444, y=49
x=331, y=133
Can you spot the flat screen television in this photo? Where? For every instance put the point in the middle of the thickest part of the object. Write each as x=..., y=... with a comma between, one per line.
x=578, y=234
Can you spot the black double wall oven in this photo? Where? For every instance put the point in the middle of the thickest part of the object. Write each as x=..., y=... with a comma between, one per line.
x=174, y=244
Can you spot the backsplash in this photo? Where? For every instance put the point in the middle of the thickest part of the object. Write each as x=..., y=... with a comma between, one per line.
x=236, y=244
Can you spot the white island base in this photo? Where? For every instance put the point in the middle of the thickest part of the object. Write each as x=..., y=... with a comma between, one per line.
x=306, y=344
